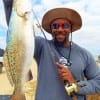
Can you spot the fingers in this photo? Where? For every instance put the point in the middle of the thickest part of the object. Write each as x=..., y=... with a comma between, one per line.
x=61, y=68
x=64, y=73
x=59, y=65
x=63, y=76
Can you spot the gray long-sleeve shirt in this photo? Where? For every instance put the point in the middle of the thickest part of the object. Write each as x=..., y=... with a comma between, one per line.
x=50, y=87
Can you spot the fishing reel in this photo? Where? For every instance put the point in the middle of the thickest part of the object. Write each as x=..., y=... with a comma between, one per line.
x=71, y=88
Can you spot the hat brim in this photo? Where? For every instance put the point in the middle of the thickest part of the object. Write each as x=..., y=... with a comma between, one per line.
x=65, y=13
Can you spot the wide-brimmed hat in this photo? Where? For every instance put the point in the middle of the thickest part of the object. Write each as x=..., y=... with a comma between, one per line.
x=65, y=13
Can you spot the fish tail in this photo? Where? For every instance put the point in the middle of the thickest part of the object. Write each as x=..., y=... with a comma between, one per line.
x=17, y=97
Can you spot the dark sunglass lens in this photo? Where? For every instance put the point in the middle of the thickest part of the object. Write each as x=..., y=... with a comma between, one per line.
x=66, y=25
x=54, y=26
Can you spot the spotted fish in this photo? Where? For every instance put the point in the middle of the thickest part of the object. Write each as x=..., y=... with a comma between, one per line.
x=20, y=46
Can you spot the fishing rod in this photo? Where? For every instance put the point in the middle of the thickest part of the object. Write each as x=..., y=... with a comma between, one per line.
x=38, y=24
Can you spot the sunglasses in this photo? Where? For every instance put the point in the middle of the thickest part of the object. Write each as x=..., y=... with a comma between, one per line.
x=63, y=25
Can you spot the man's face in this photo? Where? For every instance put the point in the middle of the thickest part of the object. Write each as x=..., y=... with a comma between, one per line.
x=61, y=29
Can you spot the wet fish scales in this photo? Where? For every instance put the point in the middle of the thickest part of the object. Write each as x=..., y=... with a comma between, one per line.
x=20, y=48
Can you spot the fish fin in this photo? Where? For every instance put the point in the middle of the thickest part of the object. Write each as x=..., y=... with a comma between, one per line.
x=7, y=67
x=18, y=97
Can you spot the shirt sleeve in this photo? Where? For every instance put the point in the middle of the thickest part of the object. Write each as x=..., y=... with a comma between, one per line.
x=92, y=74
x=38, y=48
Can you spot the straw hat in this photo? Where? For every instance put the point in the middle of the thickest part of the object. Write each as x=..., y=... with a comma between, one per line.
x=65, y=13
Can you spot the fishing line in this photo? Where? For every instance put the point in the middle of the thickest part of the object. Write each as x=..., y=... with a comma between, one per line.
x=38, y=24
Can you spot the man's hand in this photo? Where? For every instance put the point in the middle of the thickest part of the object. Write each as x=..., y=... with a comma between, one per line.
x=65, y=74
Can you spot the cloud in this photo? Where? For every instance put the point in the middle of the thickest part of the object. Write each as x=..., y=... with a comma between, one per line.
x=3, y=42
x=87, y=36
x=2, y=15
x=94, y=6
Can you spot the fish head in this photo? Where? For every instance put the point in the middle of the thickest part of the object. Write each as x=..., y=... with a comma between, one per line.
x=21, y=8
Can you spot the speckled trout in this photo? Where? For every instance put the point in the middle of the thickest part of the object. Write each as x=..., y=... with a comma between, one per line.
x=20, y=46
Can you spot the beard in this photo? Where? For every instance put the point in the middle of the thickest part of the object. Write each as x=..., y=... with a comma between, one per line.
x=60, y=43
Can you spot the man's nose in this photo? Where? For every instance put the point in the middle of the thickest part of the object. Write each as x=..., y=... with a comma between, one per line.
x=60, y=28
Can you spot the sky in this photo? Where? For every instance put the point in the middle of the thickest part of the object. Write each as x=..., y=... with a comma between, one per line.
x=88, y=36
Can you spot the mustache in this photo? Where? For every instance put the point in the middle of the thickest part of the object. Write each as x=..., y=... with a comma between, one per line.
x=58, y=33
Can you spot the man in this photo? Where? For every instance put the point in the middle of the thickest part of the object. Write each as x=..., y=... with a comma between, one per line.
x=62, y=63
